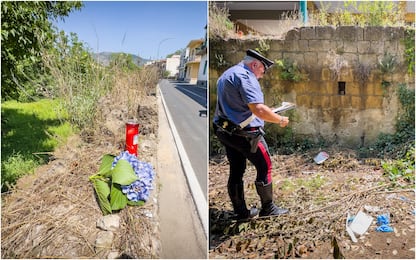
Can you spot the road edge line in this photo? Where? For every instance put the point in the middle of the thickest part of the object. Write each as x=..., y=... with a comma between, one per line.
x=196, y=191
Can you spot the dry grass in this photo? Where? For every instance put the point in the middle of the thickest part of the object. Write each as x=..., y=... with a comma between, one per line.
x=53, y=213
x=220, y=25
x=318, y=198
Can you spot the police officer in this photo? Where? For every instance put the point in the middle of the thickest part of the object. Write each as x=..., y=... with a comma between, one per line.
x=238, y=123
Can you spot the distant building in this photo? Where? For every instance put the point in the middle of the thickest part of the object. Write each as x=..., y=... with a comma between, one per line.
x=172, y=65
x=203, y=65
x=189, y=62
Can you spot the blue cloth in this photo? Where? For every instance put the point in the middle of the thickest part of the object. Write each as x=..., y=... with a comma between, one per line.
x=383, y=219
x=384, y=228
x=236, y=88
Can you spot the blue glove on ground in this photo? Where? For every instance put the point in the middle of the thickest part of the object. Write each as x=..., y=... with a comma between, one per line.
x=384, y=228
x=383, y=219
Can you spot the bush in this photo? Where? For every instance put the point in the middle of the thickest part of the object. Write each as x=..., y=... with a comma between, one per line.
x=361, y=13
x=77, y=78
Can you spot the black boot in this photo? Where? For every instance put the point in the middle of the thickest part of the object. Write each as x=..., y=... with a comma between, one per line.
x=236, y=192
x=268, y=208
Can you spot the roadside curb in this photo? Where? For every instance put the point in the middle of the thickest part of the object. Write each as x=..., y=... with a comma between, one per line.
x=196, y=191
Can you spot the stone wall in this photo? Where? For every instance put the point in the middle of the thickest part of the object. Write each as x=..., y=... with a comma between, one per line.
x=342, y=98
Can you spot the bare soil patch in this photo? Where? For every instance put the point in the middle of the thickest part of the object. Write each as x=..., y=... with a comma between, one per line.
x=318, y=197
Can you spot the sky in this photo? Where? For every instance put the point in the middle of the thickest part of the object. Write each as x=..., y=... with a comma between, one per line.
x=144, y=28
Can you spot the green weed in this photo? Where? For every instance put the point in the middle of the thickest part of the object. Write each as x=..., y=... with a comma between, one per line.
x=290, y=71
x=361, y=13
x=15, y=167
x=402, y=171
x=78, y=80
x=30, y=131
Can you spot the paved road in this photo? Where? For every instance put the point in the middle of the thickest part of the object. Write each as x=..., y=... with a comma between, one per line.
x=181, y=233
x=188, y=107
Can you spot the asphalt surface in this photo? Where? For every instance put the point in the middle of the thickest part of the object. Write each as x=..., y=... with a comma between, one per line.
x=187, y=105
x=182, y=224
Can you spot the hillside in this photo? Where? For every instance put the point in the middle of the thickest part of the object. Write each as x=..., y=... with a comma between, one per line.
x=104, y=58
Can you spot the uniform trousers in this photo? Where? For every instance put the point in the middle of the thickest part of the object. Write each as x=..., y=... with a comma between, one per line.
x=238, y=152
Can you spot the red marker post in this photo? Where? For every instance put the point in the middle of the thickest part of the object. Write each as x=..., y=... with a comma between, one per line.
x=132, y=136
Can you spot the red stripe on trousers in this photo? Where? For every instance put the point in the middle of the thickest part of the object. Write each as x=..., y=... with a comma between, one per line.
x=268, y=162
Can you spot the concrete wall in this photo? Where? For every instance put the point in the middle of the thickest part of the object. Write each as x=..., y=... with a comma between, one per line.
x=329, y=56
x=203, y=71
x=172, y=65
x=192, y=72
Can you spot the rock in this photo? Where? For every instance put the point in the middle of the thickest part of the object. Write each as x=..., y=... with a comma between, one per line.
x=109, y=222
x=104, y=239
x=113, y=255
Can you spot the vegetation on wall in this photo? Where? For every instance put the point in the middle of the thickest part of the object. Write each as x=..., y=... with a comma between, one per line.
x=220, y=26
x=263, y=48
x=409, y=52
x=398, y=144
x=387, y=65
x=289, y=71
x=361, y=13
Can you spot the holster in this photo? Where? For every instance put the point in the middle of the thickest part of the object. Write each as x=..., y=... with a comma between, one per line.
x=253, y=137
x=227, y=126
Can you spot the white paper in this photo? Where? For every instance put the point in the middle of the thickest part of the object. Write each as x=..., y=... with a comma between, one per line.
x=284, y=107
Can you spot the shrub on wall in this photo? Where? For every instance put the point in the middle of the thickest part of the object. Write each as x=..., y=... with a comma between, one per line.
x=409, y=52
x=289, y=71
x=398, y=144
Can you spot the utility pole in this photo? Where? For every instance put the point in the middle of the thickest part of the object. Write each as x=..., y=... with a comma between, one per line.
x=158, y=47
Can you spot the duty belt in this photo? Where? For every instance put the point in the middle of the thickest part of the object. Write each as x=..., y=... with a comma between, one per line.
x=252, y=134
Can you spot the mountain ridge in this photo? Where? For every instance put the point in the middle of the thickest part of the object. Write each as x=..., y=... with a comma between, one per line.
x=105, y=57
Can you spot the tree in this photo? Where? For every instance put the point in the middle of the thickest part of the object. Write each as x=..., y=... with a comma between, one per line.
x=26, y=28
x=123, y=60
x=178, y=52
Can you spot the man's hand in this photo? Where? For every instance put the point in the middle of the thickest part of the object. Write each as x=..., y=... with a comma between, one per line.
x=284, y=121
x=265, y=113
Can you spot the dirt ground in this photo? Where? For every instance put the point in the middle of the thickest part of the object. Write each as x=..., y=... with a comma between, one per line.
x=318, y=197
x=53, y=213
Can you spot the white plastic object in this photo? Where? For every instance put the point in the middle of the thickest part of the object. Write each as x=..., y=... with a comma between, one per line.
x=321, y=157
x=361, y=223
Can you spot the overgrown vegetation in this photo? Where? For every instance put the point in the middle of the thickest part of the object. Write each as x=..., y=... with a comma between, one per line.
x=289, y=71
x=361, y=13
x=61, y=83
x=398, y=147
x=26, y=29
x=220, y=26
x=409, y=52
x=77, y=78
x=401, y=172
